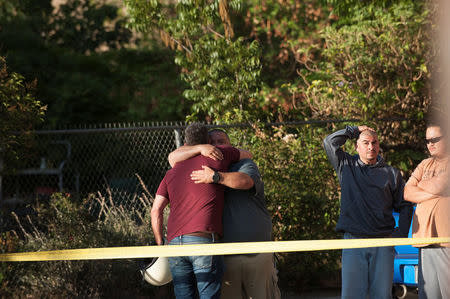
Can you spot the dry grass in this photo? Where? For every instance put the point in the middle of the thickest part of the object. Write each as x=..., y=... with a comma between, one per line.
x=62, y=223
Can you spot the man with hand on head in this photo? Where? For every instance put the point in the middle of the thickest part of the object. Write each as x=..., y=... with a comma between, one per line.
x=428, y=186
x=370, y=190
x=245, y=219
x=195, y=217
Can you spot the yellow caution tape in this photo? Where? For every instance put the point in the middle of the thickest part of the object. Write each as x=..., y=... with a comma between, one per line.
x=211, y=249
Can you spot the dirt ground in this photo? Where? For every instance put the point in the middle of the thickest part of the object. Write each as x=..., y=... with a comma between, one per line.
x=326, y=293
x=317, y=294
x=331, y=294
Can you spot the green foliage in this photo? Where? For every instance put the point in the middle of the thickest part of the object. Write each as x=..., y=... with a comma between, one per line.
x=20, y=112
x=223, y=79
x=351, y=11
x=85, y=67
x=284, y=27
x=150, y=84
x=222, y=72
x=84, y=26
x=9, y=9
x=372, y=68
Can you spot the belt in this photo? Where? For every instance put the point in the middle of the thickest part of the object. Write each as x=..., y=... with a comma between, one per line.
x=204, y=235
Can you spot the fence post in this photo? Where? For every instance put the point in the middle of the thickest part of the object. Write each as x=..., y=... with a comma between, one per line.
x=178, y=141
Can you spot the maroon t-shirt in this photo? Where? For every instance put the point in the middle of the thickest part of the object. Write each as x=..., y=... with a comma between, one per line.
x=195, y=207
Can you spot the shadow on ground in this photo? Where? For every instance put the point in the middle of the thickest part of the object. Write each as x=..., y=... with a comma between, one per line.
x=330, y=294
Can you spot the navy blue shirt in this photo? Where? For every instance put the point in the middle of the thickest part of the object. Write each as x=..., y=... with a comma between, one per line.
x=245, y=216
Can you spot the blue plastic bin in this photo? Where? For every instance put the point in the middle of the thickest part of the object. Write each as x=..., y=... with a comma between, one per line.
x=406, y=262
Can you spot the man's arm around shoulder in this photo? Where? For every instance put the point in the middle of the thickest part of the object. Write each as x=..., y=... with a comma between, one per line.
x=234, y=180
x=188, y=151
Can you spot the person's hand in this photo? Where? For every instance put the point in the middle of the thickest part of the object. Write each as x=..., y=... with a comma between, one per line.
x=211, y=151
x=203, y=176
x=364, y=128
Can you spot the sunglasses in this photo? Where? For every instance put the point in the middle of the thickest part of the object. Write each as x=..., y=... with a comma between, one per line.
x=434, y=140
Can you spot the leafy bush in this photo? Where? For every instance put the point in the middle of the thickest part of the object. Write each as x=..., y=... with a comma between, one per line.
x=376, y=65
x=20, y=112
x=222, y=72
x=63, y=223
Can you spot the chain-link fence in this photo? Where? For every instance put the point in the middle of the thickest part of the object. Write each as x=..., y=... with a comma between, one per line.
x=119, y=159
x=90, y=160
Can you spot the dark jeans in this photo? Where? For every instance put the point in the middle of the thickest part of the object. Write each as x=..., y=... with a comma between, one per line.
x=367, y=271
x=196, y=275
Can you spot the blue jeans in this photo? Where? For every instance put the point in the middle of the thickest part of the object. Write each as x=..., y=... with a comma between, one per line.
x=367, y=271
x=196, y=276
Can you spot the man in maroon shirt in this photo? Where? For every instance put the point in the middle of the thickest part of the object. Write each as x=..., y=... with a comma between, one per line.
x=195, y=216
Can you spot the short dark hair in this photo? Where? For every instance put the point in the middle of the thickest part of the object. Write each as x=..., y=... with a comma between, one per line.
x=217, y=130
x=196, y=133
